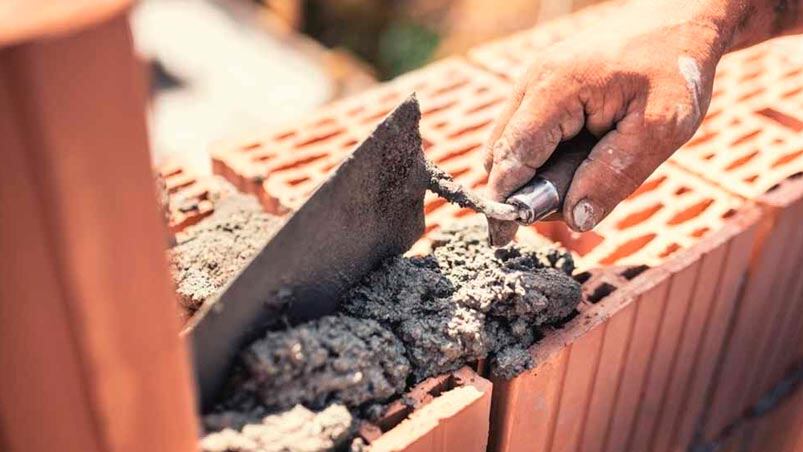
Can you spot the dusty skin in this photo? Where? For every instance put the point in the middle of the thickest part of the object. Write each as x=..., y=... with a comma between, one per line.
x=468, y=301
x=209, y=254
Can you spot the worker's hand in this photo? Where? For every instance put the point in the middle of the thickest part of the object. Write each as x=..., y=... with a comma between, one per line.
x=641, y=85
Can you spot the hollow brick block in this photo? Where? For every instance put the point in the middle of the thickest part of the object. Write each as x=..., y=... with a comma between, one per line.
x=455, y=419
x=608, y=379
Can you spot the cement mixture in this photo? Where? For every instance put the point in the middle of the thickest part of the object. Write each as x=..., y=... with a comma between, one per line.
x=467, y=301
x=294, y=430
x=210, y=253
x=334, y=359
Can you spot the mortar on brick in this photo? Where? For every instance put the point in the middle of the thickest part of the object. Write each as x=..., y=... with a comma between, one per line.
x=468, y=301
x=208, y=255
x=334, y=359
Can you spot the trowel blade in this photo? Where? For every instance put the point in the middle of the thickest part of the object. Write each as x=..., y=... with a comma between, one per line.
x=370, y=208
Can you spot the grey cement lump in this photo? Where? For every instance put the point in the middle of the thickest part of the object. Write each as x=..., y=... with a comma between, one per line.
x=334, y=359
x=294, y=430
x=468, y=301
x=210, y=253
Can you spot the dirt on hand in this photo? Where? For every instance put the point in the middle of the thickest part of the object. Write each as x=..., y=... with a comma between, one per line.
x=209, y=254
x=294, y=430
x=467, y=301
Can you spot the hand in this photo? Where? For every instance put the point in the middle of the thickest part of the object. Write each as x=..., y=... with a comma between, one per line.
x=640, y=84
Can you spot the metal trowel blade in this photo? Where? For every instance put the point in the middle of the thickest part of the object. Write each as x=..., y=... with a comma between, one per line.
x=369, y=209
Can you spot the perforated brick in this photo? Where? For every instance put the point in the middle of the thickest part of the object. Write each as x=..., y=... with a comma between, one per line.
x=444, y=413
x=509, y=57
x=190, y=198
x=752, y=137
x=458, y=103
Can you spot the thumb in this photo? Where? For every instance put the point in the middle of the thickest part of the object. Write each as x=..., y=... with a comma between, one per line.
x=617, y=165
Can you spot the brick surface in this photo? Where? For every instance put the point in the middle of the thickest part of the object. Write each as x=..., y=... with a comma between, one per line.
x=458, y=103
x=630, y=371
x=450, y=412
x=190, y=198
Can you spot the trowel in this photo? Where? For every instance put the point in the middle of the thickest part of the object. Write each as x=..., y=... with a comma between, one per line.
x=369, y=209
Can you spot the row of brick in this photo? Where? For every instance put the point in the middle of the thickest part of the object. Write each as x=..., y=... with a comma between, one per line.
x=669, y=341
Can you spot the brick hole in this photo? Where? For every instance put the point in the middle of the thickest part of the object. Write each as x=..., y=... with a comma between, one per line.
x=670, y=250
x=173, y=173
x=600, y=292
x=751, y=75
x=484, y=106
x=298, y=181
x=251, y=146
x=628, y=248
x=750, y=179
x=319, y=138
x=792, y=92
x=438, y=108
x=754, y=57
x=699, y=232
x=262, y=157
x=745, y=137
x=350, y=143
x=329, y=167
x=457, y=153
x=729, y=213
x=791, y=177
x=434, y=205
x=464, y=212
x=459, y=172
x=631, y=272
x=469, y=129
x=299, y=162
x=639, y=217
x=793, y=73
x=177, y=187
x=580, y=243
x=583, y=277
x=450, y=87
x=481, y=90
x=750, y=94
x=430, y=228
x=790, y=122
x=441, y=124
x=481, y=182
x=701, y=139
x=713, y=114
x=717, y=92
x=734, y=122
x=741, y=161
x=690, y=212
x=375, y=117
x=426, y=144
x=648, y=186
x=682, y=191
x=784, y=159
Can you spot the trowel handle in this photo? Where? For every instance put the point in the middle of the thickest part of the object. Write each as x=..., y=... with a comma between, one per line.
x=544, y=194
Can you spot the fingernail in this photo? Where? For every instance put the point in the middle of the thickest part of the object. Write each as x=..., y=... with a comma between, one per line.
x=585, y=215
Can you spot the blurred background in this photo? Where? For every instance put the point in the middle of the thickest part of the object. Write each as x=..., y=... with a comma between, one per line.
x=221, y=67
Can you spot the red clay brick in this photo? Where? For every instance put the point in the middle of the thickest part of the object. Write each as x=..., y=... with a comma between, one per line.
x=451, y=413
x=190, y=197
x=458, y=103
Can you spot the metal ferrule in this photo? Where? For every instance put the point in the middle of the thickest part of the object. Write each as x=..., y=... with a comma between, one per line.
x=535, y=201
